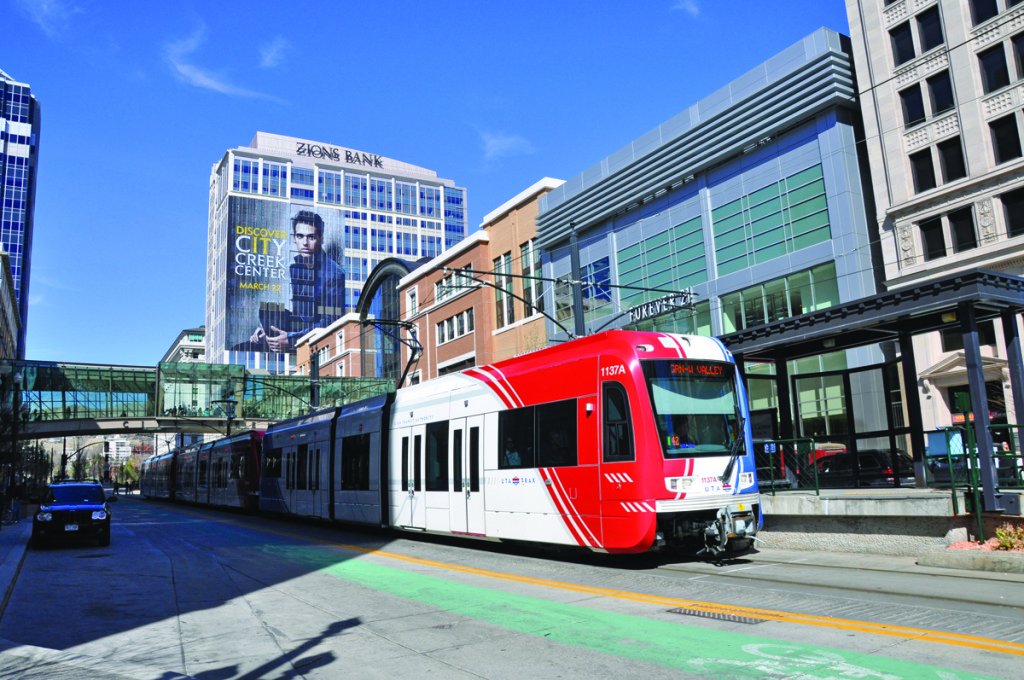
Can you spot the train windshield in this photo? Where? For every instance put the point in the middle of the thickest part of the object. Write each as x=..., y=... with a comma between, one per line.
x=695, y=406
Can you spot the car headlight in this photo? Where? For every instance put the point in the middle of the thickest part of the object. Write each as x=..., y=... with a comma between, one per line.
x=44, y=517
x=99, y=514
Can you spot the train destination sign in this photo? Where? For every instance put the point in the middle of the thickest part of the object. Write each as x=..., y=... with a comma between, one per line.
x=663, y=305
x=702, y=368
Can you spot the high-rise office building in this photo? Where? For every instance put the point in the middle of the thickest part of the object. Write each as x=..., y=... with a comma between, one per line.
x=295, y=227
x=19, y=156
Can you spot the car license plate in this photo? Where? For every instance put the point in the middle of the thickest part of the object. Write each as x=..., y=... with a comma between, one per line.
x=70, y=527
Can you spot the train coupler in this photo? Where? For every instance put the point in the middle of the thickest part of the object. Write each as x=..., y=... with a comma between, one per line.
x=726, y=526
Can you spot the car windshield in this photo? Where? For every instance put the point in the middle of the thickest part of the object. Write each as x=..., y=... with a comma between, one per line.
x=695, y=406
x=76, y=494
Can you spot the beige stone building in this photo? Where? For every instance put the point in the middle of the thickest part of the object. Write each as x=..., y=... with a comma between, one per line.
x=941, y=88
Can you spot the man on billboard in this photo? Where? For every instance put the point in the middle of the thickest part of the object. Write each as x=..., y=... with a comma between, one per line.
x=317, y=289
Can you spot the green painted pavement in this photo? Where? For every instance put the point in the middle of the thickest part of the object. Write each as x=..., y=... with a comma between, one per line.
x=671, y=645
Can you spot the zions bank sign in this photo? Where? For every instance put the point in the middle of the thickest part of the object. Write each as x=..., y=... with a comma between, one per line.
x=333, y=153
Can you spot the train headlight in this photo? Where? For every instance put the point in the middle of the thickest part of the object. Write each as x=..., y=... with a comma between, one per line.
x=678, y=484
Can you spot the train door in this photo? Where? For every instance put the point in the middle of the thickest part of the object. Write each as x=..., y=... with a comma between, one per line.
x=466, y=502
x=319, y=464
x=203, y=476
x=300, y=501
x=410, y=502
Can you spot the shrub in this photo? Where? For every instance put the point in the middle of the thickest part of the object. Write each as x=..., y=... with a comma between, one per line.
x=1010, y=537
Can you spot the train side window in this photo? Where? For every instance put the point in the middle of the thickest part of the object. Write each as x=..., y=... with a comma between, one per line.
x=556, y=434
x=474, y=459
x=457, y=459
x=417, y=460
x=515, y=438
x=355, y=462
x=202, y=472
x=405, y=463
x=272, y=464
x=618, y=435
x=437, y=456
x=289, y=467
x=301, y=467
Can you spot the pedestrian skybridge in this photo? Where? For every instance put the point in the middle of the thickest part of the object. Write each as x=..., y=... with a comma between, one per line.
x=63, y=399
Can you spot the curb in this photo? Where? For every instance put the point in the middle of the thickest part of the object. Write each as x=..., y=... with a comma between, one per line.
x=10, y=564
x=34, y=661
x=980, y=560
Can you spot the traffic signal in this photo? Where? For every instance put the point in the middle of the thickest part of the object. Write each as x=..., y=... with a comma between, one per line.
x=106, y=447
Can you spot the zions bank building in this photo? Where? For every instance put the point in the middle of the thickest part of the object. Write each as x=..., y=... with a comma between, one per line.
x=295, y=227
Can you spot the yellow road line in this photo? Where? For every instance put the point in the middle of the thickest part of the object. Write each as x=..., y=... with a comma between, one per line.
x=943, y=637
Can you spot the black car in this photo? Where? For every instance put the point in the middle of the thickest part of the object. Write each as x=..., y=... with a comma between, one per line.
x=73, y=510
x=874, y=467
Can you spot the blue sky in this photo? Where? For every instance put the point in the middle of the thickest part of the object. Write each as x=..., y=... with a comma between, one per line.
x=140, y=99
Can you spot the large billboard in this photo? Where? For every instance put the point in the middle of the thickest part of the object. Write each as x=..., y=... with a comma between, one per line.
x=285, y=276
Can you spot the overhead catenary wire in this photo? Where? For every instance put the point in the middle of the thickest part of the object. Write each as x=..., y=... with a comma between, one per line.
x=874, y=240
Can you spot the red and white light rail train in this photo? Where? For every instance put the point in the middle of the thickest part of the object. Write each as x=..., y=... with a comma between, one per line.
x=620, y=442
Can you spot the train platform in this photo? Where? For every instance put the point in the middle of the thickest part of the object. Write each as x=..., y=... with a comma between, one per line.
x=904, y=522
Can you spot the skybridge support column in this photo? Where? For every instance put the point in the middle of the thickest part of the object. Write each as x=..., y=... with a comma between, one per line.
x=1016, y=364
x=913, y=400
x=979, y=406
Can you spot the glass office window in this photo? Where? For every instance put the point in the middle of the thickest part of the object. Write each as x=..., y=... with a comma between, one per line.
x=902, y=42
x=929, y=29
x=951, y=160
x=913, y=105
x=1013, y=212
x=922, y=170
x=933, y=240
x=940, y=91
x=961, y=227
x=994, y=74
x=1005, y=138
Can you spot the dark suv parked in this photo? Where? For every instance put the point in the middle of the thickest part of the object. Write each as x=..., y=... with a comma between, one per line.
x=73, y=510
x=870, y=467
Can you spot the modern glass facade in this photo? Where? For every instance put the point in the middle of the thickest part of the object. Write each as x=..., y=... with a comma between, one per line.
x=371, y=208
x=752, y=199
x=19, y=154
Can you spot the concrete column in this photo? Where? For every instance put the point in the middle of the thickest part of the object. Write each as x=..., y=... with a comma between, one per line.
x=786, y=430
x=913, y=397
x=1016, y=364
x=979, y=405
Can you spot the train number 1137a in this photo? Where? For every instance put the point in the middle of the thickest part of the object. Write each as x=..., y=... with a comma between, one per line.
x=609, y=371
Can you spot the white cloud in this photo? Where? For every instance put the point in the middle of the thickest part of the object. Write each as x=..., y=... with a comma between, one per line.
x=689, y=6
x=272, y=53
x=53, y=16
x=177, y=52
x=499, y=145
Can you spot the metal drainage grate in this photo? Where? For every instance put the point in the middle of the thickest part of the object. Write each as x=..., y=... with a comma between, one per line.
x=718, y=616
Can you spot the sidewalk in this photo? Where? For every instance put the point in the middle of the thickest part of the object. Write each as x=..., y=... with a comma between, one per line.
x=14, y=539
x=945, y=562
x=17, y=660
